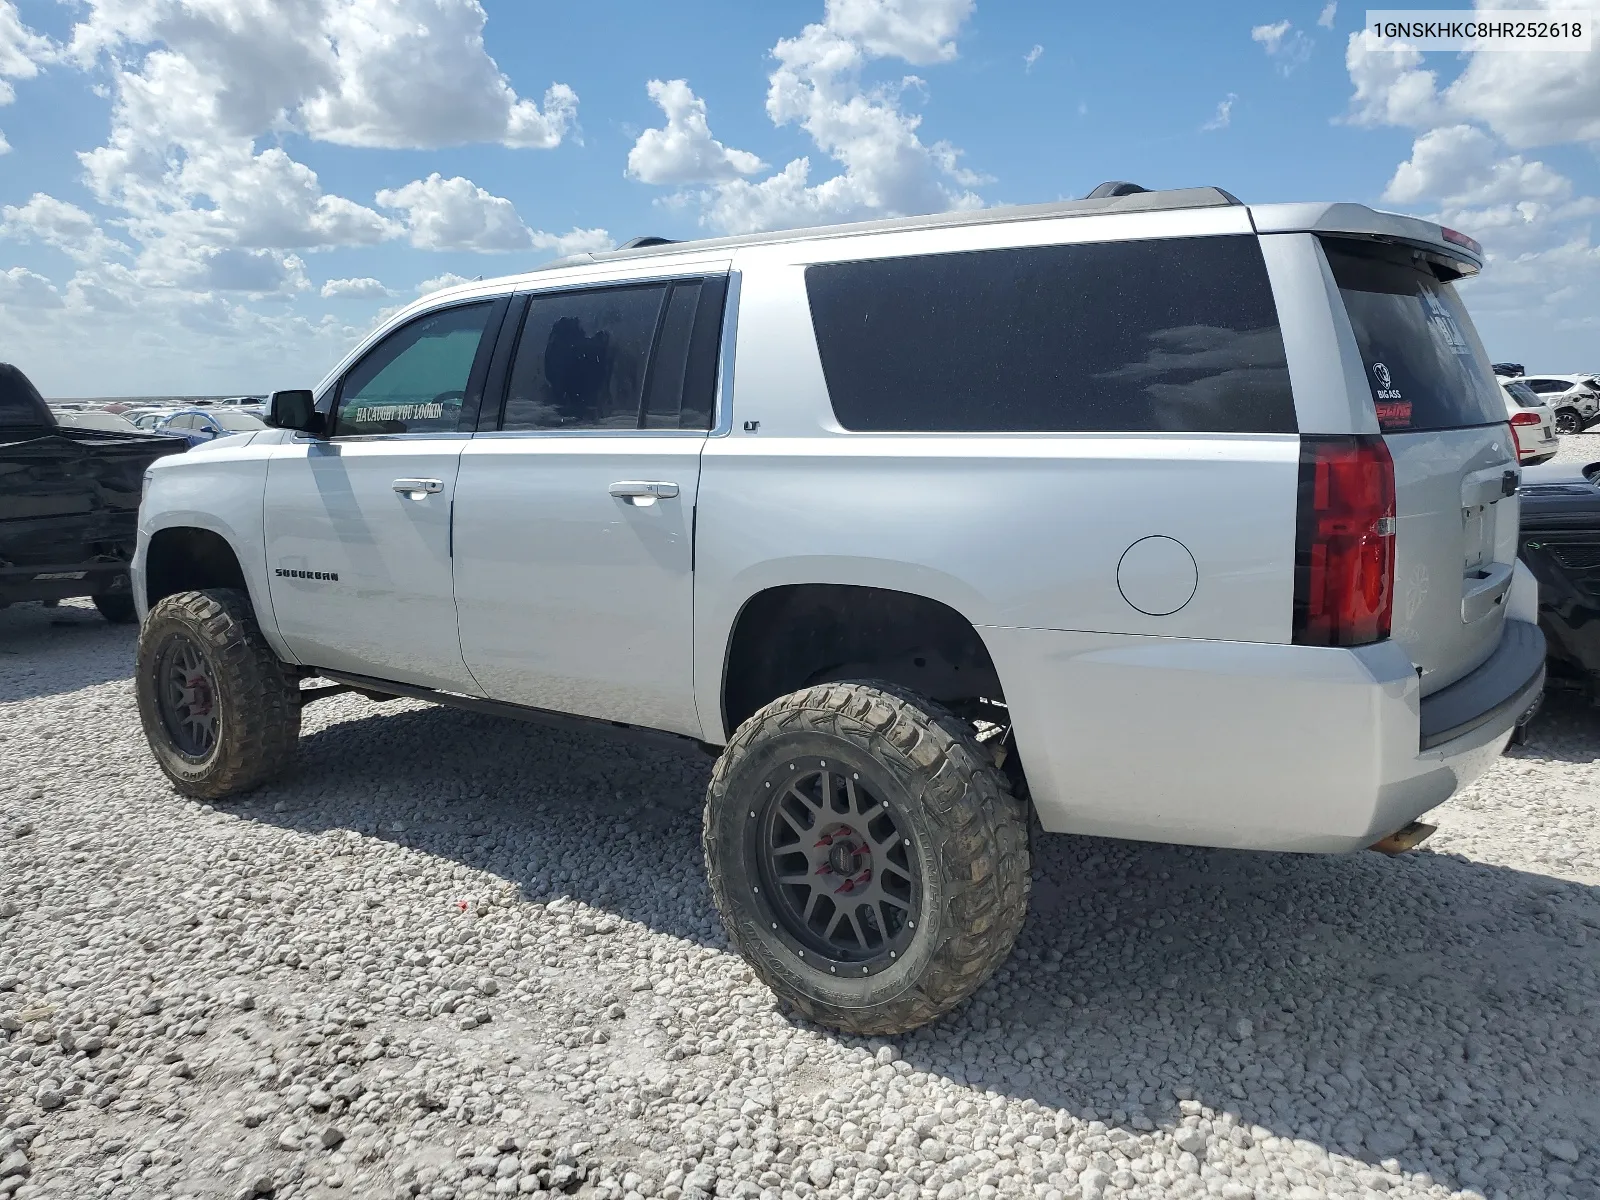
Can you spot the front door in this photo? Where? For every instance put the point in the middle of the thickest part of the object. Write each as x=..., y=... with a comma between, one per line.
x=575, y=512
x=358, y=523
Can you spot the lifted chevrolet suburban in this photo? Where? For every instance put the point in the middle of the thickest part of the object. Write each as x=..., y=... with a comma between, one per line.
x=1157, y=514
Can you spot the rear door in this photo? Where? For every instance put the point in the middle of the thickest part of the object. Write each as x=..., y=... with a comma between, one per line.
x=574, y=542
x=1444, y=421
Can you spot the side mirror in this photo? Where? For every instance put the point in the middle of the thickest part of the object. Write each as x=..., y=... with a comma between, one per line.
x=295, y=410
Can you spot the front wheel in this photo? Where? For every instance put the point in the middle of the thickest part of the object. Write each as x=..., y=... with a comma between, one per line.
x=220, y=711
x=866, y=856
x=1568, y=421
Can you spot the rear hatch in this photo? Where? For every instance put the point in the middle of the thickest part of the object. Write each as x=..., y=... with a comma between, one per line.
x=1444, y=421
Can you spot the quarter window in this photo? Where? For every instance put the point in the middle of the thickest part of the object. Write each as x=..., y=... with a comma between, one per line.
x=1164, y=334
x=415, y=380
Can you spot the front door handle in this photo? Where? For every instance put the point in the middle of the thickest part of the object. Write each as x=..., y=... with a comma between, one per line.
x=639, y=489
x=417, y=488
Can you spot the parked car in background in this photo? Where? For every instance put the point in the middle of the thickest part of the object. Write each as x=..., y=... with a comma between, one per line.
x=198, y=426
x=147, y=418
x=97, y=418
x=69, y=500
x=1508, y=370
x=851, y=568
x=241, y=402
x=1574, y=399
x=1533, y=425
x=1561, y=546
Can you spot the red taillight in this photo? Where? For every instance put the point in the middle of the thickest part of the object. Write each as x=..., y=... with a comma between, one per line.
x=1460, y=239
x=1524, y=419
x=1344, y=550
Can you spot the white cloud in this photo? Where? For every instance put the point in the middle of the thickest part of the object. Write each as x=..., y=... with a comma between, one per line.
x=1525, y=97
x=1391, y=88
x=56, y=223
x=1032, y=56
x=1284, y=44
x=439, y=282
x=920, y=31
x=22, y=292
x=1470, y=166
x=21, y=52
x=574, y=241
x=1329, y=11
x=1223, y=117
x=1460, y=166
x=685, y=152
x=391, y=73
x=457, y=214
x=886, y=168
x=364, y=288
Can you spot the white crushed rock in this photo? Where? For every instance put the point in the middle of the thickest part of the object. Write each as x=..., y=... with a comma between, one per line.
x=453, y=956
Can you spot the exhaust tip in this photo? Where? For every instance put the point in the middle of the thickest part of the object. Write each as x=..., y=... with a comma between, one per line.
x=1409, y=838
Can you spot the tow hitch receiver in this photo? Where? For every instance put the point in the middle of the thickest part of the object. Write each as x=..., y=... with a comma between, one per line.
x=1409, y=838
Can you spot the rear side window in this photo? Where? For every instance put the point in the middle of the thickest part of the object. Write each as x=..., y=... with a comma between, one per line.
x=1524, y=395
x=1424, y=364
x=1176, y=334
x=639, y=357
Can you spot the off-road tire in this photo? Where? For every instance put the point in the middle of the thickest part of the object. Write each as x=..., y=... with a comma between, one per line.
x=257, y=697
x=970, y=832
x=116, y=607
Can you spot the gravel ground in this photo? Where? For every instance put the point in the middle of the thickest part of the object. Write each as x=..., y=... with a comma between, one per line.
x=1578, y=448
x=453, y=956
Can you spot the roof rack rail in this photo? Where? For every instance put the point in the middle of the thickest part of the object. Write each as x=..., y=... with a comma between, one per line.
x=1131, y=199
x=1115, y=187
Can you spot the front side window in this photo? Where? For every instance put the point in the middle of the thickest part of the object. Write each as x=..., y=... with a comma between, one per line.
x=1172, y=334
x=415, y=380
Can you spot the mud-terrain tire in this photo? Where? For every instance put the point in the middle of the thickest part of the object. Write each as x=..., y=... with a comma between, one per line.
x=116, y=607
x=928, y=793
x=229, y=719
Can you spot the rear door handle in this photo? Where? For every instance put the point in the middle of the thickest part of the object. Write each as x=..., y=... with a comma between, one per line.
x=630, y=489
x=428, y=487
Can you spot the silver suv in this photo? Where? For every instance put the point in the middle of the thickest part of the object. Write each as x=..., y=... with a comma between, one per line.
x=1154, y=515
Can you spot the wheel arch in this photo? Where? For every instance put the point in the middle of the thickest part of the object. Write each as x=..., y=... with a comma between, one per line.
x=788, y=636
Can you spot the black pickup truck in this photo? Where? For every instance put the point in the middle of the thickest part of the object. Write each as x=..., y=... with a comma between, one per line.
x=1561, y=546
x=69, y=503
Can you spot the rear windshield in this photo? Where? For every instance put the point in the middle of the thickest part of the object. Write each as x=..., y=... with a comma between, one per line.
x=1523, y=395
x=1424, y=364
x=1161, y=335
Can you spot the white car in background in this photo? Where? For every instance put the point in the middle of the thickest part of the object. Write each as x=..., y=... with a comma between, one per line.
x=1575, y=399
x=1533, y=425
x=95, y=418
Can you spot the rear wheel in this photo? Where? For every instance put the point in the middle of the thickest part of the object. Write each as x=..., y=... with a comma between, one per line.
x=1568, y=421
x=116, y=607
x=867, y=857
x=220, y=711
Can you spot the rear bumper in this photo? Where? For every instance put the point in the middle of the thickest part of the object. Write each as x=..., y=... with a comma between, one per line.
x=1507, y=685
x=1248, y=745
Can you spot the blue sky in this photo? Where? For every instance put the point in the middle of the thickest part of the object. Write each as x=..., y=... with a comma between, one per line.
x=222, y=195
